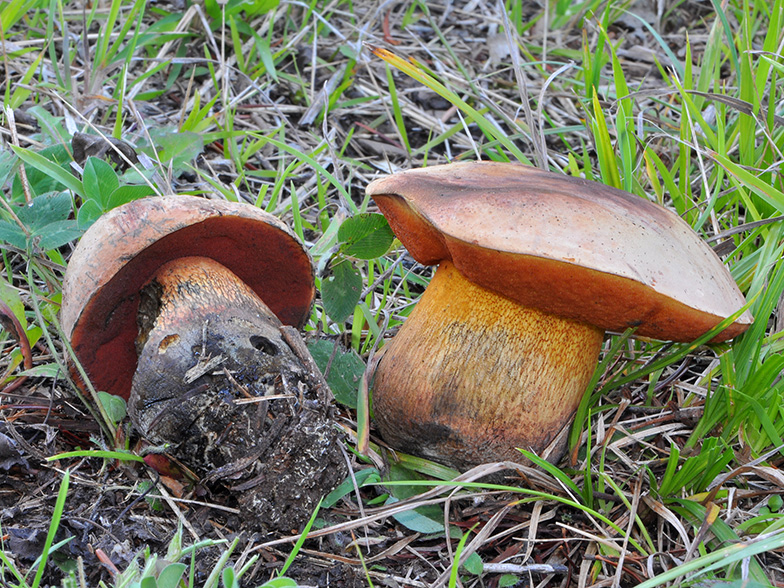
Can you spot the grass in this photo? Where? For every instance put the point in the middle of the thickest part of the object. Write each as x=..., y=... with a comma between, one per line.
x=295, y=106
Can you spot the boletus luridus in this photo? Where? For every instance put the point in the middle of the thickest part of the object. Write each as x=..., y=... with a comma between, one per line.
x=533, y=268
x=178, y=305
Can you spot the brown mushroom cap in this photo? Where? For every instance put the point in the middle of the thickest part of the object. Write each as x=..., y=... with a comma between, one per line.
x=128, y=245
x=563, y=245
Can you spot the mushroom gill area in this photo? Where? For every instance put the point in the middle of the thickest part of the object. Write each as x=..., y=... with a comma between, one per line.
x=472, y=375
x=217, y=383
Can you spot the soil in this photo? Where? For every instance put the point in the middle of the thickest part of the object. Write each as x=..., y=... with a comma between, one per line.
x=107, y=516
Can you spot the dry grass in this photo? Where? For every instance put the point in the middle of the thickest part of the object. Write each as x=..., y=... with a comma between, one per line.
x=289, y=109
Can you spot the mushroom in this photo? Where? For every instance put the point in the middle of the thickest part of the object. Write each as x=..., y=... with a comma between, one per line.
x=127, y=246
x=533, y=268
x=177, y=304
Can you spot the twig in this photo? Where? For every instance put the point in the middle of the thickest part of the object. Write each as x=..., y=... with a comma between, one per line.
x=507, y=568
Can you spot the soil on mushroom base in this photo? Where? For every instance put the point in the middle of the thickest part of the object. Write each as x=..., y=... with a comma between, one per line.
x=103, y=512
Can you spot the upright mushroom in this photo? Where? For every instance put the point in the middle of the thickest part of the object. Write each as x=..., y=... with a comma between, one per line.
x=176, y=304
x=533, y=268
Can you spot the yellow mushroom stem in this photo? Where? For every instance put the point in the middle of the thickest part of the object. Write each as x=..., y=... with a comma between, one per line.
x=192, y=312
x=472, y=375
x=188, y=290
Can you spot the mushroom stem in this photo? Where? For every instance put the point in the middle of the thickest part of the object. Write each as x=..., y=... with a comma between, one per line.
x=197, y=318
x=471, y=375
x=217, y=382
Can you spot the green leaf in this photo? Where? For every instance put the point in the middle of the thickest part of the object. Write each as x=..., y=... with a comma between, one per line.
x=8, y=163
x=12, y=234
x=126, y=194
x=54, y=525
x=340, y=292
x=120, y=455
x=256, y=7
x=44, y=210
x=114, y=406
x=49, y=169
x=345, y=370
x=57, y=234
x=251, y=7
x=458, y=553
x=47, y=370
x=474, y=565
x=88, y=214
x=148, y=582
x=413, y=520
x=423, y=519
x=280, y=583
x=170, y=576
x=152, y=495
x=303, y=535
x=176, y=147
x=362, y=477
x=229, y=578
x=13, y=299
x=508, y=580
x=99, y=180
x=365, y=236
x=775, y=502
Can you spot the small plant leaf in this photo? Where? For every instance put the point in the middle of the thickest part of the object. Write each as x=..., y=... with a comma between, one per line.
x=7, y=165
x=126, y=194
x=88, y=214
x=362, y=477
x=51, y=174
x=170, y=576
x=365, y=236
x=340, y=292
x=57, y=234
x=229, y=578
x=345, y=370
x=44, y=210
x=12, y=234
x=413, y=520
x=280, y=583
x=177, y=147
x=151, y=493
x=114, y=405
x=99, y=180
x=473, y=564
x=47, y=370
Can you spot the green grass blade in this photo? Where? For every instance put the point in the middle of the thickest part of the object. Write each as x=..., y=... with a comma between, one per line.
x=57, y=513
x=301, y=540
x=424, y=78
x=608, y=165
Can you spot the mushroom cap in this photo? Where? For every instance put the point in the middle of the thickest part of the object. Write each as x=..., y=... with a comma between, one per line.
x=564, y=245
x=126, y=247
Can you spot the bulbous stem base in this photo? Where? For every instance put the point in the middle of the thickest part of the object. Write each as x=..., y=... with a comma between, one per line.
x=471, y=376
x=218, y=384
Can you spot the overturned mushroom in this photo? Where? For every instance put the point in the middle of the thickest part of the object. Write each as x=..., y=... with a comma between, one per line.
x=177, y=304
x=533, y=268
